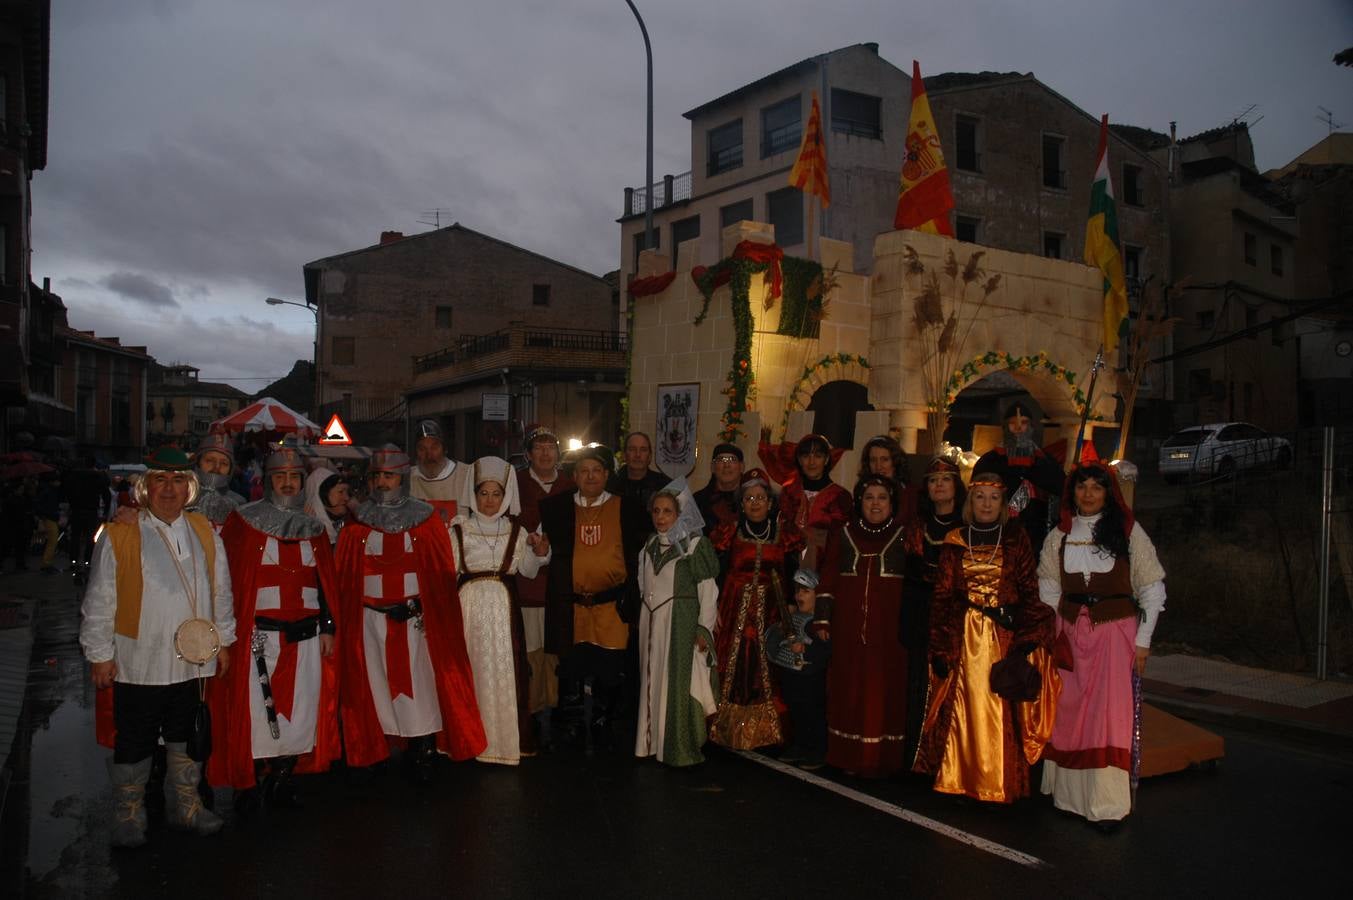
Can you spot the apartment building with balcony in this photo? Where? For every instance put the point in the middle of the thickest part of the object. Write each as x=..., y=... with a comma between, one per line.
x=180, y=407
x=422, y=326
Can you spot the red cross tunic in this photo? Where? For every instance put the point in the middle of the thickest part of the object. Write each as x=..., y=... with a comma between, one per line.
x=285, y=590
x=424, y=568
x=280, y=587
x=390, y=577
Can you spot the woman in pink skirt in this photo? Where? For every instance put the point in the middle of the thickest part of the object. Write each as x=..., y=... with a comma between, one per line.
x=1100, y=572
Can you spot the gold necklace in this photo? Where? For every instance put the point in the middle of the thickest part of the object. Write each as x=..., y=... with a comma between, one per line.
x=996, y=548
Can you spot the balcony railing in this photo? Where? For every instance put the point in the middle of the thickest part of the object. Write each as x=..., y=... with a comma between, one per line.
x=669, y=191
x=520, y=337
x=362, y=409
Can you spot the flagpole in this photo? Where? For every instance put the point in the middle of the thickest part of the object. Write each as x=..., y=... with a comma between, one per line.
x=648, y=146
x=1089, y=399
x=812, y=227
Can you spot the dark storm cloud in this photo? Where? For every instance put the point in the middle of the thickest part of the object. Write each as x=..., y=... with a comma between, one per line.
x=140, y=288
x=217, y=147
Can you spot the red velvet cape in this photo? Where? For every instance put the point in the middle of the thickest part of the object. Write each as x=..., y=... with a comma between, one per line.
x=232, y=756
x=462, y=735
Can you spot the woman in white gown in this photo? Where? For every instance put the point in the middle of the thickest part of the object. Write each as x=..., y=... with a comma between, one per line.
x=489, y=548
x=677, y=572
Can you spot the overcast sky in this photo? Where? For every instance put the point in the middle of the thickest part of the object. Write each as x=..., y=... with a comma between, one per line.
x=200, y=152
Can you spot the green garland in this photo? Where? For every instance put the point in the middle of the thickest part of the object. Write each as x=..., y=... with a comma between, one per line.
x=839, y=359
x=1035, y=364
x=802, y=307
x=800, y=315
x=741, y=380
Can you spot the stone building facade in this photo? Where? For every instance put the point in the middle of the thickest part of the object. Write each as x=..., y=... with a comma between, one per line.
x=1021, y=159
x=1235, y=256
x=1043, y=308
x=105, y=383
x=180, y=407
x=413, y=327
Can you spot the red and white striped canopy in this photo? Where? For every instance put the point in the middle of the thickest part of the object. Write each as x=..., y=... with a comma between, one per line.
x=266, y=414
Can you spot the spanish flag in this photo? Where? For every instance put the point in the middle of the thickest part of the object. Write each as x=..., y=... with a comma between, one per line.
x=810, y=169
x=924, y=197
x=1101, y=242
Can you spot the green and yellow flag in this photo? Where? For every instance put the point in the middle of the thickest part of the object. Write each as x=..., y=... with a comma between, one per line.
x=1101, y=242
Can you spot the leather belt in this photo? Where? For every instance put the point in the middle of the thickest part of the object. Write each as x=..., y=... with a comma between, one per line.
x=610, y=595
x=294, y=631
x=1003, y=616
x=1091, y=600
x=477, y=576
x=398, y=612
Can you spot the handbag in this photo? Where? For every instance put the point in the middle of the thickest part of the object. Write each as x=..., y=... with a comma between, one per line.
x=199, y=737
x=1015, y=679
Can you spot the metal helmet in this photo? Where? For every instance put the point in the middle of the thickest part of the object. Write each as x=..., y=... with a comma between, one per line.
x=390, y=459
x=216, y=442
x=284, y=459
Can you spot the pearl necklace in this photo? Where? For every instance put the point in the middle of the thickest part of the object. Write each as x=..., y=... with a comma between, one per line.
x=747, y=527
x=874, y=529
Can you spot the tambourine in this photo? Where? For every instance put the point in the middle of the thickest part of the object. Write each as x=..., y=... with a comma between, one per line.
x=197, y=642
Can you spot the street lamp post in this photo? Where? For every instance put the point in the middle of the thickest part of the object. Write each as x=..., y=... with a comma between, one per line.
x=648, y=148
x=314, y=347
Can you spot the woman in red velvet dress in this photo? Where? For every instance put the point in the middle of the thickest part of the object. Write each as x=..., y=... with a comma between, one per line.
x=867, y=679
x=759, y=559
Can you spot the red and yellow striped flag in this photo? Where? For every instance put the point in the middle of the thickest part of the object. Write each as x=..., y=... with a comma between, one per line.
x=924, y=197
x=810, y=169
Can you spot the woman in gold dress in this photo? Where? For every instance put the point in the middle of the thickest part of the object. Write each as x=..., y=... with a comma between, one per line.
x=993, y=684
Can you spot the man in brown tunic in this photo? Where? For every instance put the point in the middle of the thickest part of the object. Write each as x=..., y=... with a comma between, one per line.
x=593, y=595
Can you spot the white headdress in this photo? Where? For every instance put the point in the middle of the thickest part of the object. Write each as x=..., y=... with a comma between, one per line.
x=493, y=468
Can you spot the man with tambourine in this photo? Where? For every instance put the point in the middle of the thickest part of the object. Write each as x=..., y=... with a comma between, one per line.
x=157, y=620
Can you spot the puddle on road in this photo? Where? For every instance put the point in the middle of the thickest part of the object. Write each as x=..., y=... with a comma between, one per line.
x=69, y=800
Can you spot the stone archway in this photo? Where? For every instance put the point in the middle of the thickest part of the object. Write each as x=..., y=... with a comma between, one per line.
x=1056, y=388
x=838, y=368
x=1040, y=318
x=835, y=405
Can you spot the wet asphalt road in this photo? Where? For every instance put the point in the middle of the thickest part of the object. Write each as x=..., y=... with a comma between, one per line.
x=1273, y=819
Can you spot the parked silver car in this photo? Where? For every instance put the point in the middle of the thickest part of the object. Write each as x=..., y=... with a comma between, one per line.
x=1221, y=449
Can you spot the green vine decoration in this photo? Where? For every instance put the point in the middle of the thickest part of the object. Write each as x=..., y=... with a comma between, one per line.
x=839, y=359
x=708, y=281
x=741, y=379
x=804, y=287
x=1038, y=364
x=804, y=303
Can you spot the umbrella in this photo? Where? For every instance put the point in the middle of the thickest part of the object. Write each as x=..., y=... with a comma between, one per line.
x=24, y=468
x=266, y=414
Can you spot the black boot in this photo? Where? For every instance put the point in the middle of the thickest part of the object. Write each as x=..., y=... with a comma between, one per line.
x=605, y=705
x=249, y=802
x=589, y=717
x=280, y=787
x=420, y=759
x=545, y=729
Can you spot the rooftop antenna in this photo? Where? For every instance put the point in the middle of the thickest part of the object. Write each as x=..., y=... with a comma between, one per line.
x=435, y=215
x=1328, y=119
